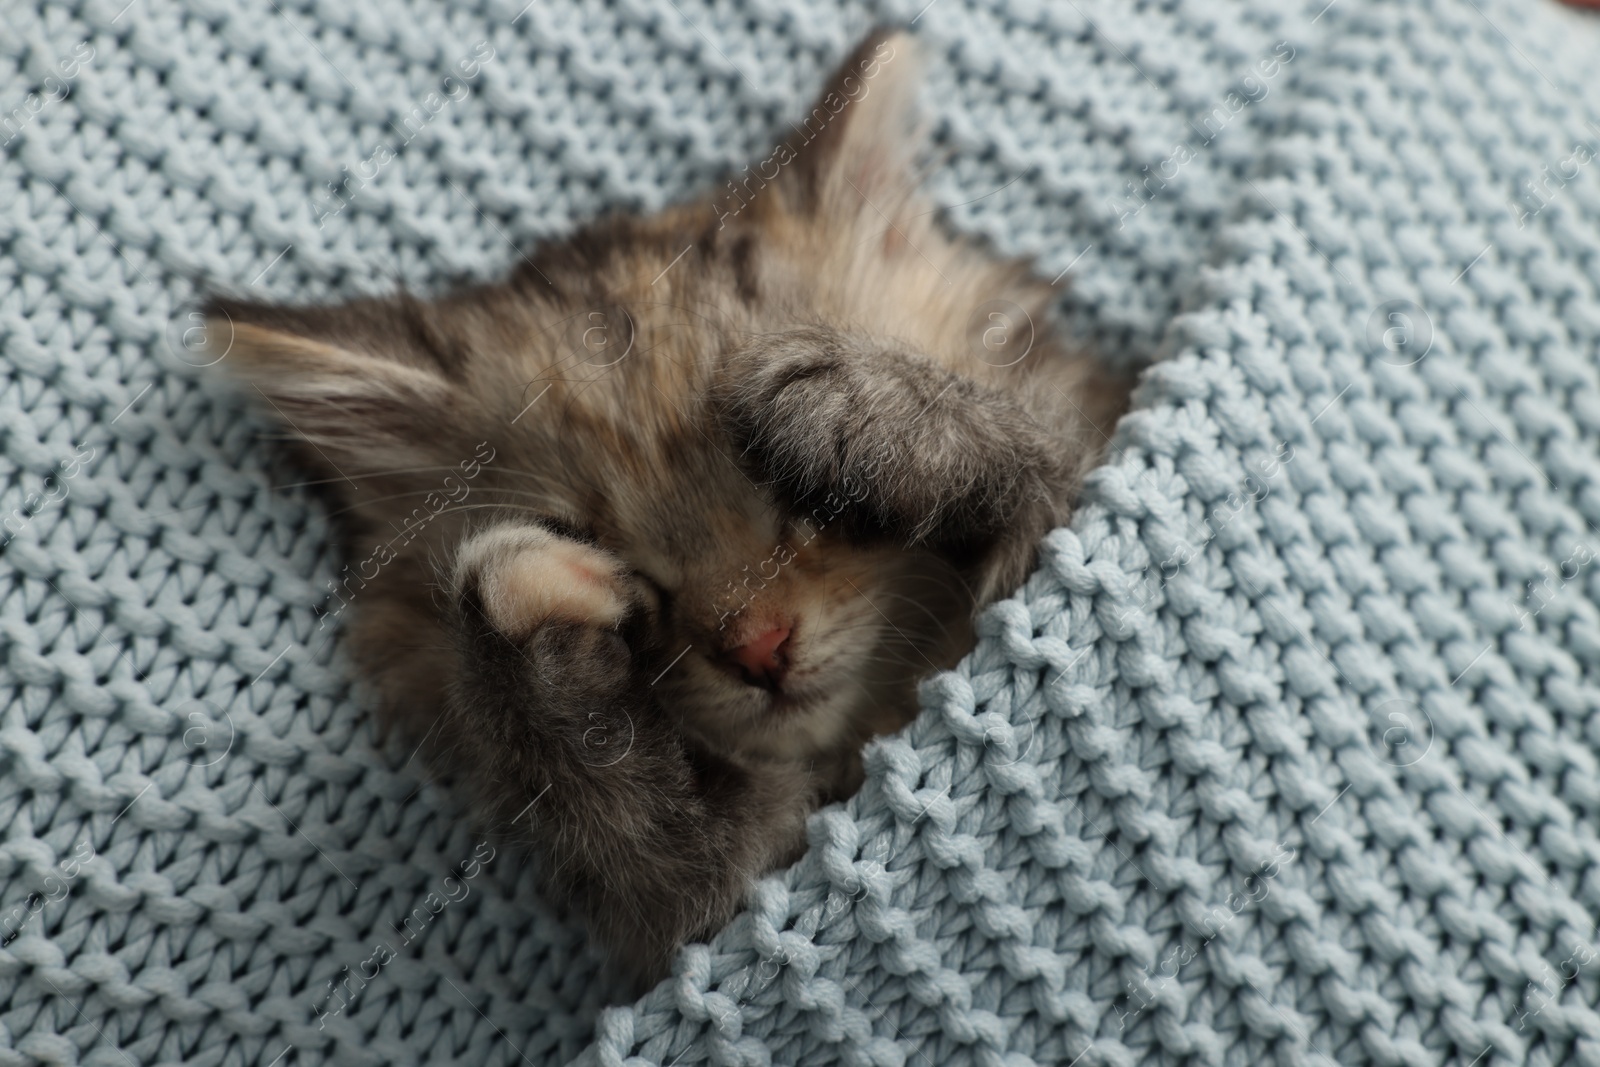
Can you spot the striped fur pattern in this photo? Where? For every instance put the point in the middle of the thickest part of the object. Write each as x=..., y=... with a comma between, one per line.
x=793, y=406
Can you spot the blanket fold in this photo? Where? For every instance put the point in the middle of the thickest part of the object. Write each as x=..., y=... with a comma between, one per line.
x=1286, y=752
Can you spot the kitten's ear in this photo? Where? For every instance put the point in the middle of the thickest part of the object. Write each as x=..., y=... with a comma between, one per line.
x=360, y=384
x=855, y=149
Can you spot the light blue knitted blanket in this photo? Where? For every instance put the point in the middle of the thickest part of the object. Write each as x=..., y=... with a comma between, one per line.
x=1286, y=754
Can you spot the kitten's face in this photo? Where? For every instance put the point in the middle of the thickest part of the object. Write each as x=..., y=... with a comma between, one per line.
x=774, y=627
x=748, y=401
x=779, y=623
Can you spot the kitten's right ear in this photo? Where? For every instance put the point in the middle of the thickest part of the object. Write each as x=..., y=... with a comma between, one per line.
x=857, y=145
x=357, y=383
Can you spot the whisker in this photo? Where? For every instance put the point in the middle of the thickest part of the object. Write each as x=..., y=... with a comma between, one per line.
x=507, y=506
x=889, y=595
x=369, y=474
x=397, y=472
x=384, y=500
x=441, y=511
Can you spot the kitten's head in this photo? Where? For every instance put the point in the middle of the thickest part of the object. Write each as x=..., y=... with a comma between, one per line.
x=779, y=406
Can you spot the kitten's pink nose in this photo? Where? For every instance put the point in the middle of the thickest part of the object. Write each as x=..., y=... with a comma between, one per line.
x=765, y=660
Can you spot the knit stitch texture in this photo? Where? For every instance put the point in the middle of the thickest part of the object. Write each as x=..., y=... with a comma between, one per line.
x=1287, y=753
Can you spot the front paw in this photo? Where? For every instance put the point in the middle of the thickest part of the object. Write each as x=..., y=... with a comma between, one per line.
x=545, y=617
x=884, y=440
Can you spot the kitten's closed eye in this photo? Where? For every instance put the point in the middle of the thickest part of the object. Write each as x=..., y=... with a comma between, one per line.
x=750, y=481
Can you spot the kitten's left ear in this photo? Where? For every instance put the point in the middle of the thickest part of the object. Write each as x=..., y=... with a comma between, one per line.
x=854, y=150
x=362, y=384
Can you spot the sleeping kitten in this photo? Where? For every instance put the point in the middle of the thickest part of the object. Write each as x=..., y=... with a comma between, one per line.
x=655, y=534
